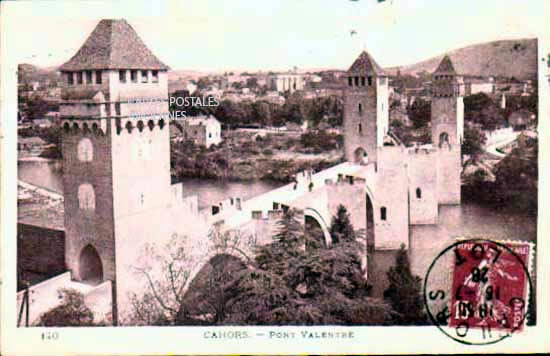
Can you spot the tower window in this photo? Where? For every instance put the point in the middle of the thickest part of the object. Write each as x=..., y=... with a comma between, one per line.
x=88, y=77
x=350, y=81
x=155, y=75
x=117, y=109
x=86, y=197
x=360, y=128
x=98, y=77
x=78, y=77
x=360, y=108
x=133, y=76
x=369, y=79
x=418, y=193
x=356, y=81
x=144, y=78
x=85, y=150
x=122, y=76
x=362, y=81
x=383, y=213
x=70, y=78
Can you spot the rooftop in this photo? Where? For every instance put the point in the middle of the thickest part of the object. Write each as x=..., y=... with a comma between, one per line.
x=445, y=67
x=113, y=44
x=365, y=64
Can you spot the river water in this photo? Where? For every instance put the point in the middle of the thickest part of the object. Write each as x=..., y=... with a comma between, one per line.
x=469, y=219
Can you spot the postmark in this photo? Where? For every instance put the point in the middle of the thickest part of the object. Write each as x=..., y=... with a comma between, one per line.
x=477, y=291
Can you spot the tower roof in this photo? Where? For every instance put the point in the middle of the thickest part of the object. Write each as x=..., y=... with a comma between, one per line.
x=365, y=64
x=445, y=66
x=113, y=44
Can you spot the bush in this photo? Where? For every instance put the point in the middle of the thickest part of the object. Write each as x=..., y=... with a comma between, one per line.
x=71, y=312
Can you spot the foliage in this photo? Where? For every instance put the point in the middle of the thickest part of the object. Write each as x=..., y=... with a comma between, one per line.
x=517, y=176
x=481, y=109
x=341, y=228
x=404, y=292
x=161, y=300
x=473, y=141
x=35, y=107
x=320, y=141
x=293, y=285
x=71, y=312
x=420, y=113
x=167, y=272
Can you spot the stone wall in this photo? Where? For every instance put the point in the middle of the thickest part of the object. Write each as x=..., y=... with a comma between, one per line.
x=390, y=193
x=33, y=264
x=423, y=200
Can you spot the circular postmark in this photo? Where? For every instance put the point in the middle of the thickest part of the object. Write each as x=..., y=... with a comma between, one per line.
x=476, y=291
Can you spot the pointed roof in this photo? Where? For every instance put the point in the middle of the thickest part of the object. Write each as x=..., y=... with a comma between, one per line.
x=445, y=66
x=365, y=64
x=113, y=44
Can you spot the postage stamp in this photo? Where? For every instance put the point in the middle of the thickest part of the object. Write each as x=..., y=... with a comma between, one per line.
x=489, y=294
x=289, y=177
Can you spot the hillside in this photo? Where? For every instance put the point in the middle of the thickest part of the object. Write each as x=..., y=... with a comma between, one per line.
x=509, y=58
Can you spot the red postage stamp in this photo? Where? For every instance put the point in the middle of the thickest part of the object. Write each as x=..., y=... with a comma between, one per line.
x=490, y=287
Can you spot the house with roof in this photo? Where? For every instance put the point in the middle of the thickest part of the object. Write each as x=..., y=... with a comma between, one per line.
x=202, y=130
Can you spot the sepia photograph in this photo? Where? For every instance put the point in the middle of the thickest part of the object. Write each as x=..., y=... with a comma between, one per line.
x=276, y=172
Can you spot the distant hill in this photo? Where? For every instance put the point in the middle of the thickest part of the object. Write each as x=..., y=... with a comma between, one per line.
x=509, y=58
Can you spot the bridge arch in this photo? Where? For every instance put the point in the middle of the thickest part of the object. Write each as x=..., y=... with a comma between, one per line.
x=315, y=215
x=205, y=288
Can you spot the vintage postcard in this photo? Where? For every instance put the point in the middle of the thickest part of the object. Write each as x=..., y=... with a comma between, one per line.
x=275, y=177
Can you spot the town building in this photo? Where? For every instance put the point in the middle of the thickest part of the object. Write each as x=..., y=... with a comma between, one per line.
x=201, y=130
x=284, y=82
x=475, y=85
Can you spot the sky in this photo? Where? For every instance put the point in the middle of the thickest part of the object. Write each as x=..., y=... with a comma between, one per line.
x=215, y=35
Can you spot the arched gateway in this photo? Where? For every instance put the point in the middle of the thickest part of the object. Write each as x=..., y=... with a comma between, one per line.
x=90, y=266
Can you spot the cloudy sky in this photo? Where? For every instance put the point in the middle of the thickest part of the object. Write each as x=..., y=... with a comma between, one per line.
x=259, y=34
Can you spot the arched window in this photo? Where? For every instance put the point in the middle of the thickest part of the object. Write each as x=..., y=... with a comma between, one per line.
x=383, y=213
x=356, y=81
x=443, y=138
x=350, y=81
x=360, y=108
x=85, y=150
x=86, y=197
x=360, y=128
x=362, y=81
x=418, y=193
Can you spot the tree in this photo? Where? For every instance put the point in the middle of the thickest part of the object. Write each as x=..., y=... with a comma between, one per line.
x=71, y=312
x=340, y=227
x=473, y=141
x=167, y=272
x=420, y=113
x=293, y=285
x=404, y=292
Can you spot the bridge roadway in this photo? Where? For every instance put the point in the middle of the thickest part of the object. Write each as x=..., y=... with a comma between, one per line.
x=234, y=218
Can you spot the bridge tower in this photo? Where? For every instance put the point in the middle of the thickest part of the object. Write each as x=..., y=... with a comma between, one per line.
x=366, y=119
x=115, y=146
x=447, y=119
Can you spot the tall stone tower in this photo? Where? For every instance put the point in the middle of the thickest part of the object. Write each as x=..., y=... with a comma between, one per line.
x=116, y=153
x=447, y=130
x=366, y=119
